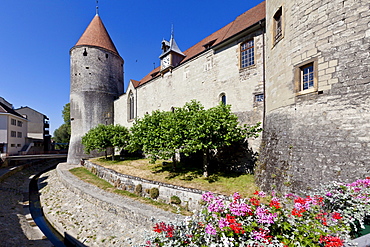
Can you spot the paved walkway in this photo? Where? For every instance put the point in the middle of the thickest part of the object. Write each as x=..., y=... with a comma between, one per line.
x=16, y=224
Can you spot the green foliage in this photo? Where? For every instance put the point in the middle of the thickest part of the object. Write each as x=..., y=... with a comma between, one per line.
x=156, y=134
x=188, y=129
x=103, y=137
x=63, y=133
x=175, y=200
x=154, y=193
x=138, y=189
x=67, y=113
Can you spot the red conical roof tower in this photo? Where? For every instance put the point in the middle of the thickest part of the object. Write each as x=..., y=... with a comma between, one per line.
x=96, y=35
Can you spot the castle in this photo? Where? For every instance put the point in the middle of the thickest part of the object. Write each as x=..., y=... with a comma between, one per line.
x=300, y=67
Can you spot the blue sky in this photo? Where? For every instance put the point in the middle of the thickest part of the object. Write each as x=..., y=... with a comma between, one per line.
x=36, y=37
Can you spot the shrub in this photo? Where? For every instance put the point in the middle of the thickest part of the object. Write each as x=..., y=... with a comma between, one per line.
x=175, y=200
x=154, y=193
x=138, y=189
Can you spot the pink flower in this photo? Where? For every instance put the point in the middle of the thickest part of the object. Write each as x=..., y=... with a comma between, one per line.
x=210, y=229
x=223, y=222
x=264, y=216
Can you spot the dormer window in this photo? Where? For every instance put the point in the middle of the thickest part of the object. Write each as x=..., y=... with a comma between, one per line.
x=209, y=44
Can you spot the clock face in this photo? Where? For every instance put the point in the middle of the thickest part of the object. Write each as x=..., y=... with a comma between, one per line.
x=166, y=62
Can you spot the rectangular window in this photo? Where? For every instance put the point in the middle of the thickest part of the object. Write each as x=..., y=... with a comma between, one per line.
x=19, y=134
x=18, y=145
x=13, y=134
x=247, y=53
x=306, y=77
x=259, y=98
x=12, y=145
x=20, y=123
x=13, y=121
x=278, y=25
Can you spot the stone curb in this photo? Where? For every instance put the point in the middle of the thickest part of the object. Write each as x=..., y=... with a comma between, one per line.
x=126, y=208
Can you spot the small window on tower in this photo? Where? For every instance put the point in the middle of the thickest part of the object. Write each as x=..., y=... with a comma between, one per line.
x=278, y=25
x=223, y=98
x=85, y=53
x=259, y=97
x=306, y=77
x=106, y=55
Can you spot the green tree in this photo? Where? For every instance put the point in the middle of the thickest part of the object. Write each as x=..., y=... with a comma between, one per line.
x=209, y=130
x=103, y=137
x=188, y=129
x=63, y=133
x=155, y=134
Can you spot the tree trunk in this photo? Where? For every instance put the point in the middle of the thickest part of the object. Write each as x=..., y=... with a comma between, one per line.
x=205, y=162
x=174, y=162
x=106, y=154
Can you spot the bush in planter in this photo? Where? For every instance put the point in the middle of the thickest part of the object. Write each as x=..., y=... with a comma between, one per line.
x=175, y=200
x=138, y=189
x=154, y=193
x=315, y=220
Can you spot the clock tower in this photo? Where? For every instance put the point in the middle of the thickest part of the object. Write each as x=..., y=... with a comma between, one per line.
x=171, y=55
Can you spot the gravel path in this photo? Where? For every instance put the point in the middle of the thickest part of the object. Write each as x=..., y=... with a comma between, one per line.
x=17, y=229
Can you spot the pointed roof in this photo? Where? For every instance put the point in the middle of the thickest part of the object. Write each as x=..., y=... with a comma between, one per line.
x=172, y=46
x=97, y=35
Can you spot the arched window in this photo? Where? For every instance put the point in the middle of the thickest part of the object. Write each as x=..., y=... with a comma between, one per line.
x=223, y=98
x=131, y=106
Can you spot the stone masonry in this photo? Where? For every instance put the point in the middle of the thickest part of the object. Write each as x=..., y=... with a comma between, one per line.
x=323, y=135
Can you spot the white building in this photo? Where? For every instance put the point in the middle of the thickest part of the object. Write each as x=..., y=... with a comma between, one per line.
x=13, y=129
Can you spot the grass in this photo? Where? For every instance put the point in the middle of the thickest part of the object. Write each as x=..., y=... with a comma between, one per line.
x=85, y=175
x=185, y=176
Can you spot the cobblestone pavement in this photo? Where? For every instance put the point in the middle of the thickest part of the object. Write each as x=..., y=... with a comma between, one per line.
x=17, y=229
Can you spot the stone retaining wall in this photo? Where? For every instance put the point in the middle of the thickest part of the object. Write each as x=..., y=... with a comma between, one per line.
x=190, y=198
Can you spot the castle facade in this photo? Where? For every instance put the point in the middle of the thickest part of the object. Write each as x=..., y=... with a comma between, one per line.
x=300, y=67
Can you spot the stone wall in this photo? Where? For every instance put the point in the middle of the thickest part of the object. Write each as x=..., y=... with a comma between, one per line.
x=322, y=135
x=190, y=198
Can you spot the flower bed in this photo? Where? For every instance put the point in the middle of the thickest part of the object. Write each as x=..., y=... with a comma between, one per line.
x=331, y=216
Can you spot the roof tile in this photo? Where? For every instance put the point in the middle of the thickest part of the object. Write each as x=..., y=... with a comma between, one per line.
x=97, y=35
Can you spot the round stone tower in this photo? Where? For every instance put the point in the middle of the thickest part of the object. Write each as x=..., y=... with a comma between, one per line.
x=96, y=81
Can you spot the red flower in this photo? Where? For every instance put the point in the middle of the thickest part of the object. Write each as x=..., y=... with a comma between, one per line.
x=275, y=204
x=336, y=216
x=162, y=227
x=297, y=212
x=331, y=241
x=254, y=201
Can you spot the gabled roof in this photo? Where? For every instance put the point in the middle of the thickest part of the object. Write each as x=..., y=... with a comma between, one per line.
x=242, y=22
x=5, y=109
x=97, y=35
